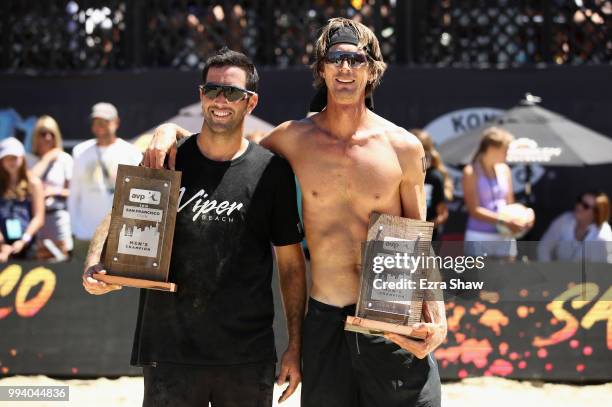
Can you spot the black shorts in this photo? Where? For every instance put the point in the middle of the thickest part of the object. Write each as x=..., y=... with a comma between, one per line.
x=222, y=386
x=342, y=368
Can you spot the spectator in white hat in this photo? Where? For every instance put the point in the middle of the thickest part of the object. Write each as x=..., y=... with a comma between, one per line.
x=22, y=208
x=95, y=169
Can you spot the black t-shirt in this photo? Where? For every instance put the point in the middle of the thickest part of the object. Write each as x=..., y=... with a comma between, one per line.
x=229, y=213
x=434, y=191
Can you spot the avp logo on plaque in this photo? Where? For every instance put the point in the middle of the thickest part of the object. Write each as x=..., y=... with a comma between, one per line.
x=145, y=196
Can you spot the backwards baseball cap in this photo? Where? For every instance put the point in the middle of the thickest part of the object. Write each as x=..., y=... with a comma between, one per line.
x=342, y=35
x=104, y=111
x=11, y=146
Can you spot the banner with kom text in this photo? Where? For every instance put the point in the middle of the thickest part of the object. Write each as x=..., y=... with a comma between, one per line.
x=526, y=320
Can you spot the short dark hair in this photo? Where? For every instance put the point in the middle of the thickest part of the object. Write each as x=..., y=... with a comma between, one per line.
x=228, y=57
x=601, y=209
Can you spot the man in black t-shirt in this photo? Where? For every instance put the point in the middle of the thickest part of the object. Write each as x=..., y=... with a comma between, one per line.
x=212, y=341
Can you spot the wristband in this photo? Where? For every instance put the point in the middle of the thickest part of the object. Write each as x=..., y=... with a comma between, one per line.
x=26, y=238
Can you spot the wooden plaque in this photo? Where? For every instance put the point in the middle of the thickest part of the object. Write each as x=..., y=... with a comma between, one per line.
x=391, y=310
x=139, y=242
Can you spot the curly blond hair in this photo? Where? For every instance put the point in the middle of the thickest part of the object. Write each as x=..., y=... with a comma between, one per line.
x=367, y=41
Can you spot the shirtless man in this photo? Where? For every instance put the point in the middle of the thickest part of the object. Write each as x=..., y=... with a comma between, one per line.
x=350, y=162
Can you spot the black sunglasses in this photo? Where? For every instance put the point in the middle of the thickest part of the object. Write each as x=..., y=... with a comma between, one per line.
x=354, y=59
x=585, y=205
x=231, y=93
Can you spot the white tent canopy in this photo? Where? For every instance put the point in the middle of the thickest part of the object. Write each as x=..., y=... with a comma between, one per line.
x=190, y=117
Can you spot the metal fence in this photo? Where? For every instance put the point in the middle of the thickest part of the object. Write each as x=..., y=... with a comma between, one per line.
x=90, y=35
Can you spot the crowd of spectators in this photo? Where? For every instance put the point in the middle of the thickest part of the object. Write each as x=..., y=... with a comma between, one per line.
x=50, y=201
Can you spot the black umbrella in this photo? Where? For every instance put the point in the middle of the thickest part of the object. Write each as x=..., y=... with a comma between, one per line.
x=543, y=137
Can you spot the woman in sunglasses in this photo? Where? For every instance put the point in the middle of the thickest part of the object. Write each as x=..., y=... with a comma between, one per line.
x=586, y=227
x=54, y=168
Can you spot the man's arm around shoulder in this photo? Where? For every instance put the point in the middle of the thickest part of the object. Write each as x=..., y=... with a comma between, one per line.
x=282, y=139
x=164, y=142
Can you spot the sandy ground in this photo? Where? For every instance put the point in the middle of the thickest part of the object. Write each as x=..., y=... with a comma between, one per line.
x=472, y=392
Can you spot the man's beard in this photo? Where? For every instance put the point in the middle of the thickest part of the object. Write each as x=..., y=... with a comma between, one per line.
x=222, y=128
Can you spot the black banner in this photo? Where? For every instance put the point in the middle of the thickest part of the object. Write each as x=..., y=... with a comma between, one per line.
x=408, y=96
x=550, y=322
x=51, y=325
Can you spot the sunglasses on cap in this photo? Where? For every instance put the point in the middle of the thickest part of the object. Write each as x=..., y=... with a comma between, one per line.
x=354, y=59
x=231, y=93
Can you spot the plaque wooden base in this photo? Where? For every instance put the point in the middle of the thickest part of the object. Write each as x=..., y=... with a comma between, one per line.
x=372, y=327
x=136, y=282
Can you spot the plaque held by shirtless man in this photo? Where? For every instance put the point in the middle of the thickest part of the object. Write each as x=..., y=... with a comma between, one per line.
x=350, y=162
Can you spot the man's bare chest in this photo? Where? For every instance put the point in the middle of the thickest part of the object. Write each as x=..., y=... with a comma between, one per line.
x=362, y=171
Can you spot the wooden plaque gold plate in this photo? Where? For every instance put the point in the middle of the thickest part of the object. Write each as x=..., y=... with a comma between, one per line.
x=391, y=310
x=139, y=243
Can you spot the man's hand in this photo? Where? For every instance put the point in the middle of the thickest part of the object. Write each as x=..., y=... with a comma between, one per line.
x=162, y=143
x=436, y=333
x=290, y=369
x=96, y=287
x=434, y=326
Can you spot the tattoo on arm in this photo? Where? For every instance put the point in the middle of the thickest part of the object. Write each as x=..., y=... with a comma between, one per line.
x=97, y=242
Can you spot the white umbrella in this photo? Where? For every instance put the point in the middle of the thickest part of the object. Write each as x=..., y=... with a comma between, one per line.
x=193, y=113
x=190, y=118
